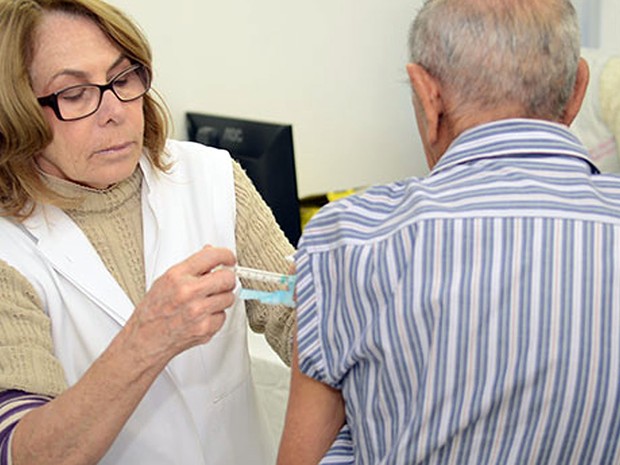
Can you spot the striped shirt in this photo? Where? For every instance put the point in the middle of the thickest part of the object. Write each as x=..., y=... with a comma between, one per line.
x=13, y=406
x=473, y=316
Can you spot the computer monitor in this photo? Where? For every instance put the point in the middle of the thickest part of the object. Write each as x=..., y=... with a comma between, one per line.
x=265, y=151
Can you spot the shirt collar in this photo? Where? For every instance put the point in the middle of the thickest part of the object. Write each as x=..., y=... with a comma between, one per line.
x=513, y=137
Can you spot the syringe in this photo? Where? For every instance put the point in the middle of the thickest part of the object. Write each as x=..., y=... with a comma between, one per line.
x=262, y=276
x=278, y=297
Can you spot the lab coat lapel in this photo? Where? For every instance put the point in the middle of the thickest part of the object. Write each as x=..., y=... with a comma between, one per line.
x=151, y=226
x=164, y=215
x=72, y=255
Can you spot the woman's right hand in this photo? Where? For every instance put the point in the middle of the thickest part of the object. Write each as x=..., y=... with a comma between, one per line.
x=184, y=307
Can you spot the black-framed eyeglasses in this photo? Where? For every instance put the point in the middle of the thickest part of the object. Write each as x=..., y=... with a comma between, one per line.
x=77, y=102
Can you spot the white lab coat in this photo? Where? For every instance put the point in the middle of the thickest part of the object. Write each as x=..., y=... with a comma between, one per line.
x=202, y=408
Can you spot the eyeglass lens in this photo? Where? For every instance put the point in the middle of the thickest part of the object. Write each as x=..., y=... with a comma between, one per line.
x=83, y=100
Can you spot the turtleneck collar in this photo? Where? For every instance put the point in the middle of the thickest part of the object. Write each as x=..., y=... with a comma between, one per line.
x=92, y=200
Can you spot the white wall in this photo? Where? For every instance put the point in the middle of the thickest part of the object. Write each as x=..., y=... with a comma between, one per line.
x=610, y=32
x=334, y=69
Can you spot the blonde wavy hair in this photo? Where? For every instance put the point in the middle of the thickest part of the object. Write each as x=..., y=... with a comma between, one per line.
x=24, y=132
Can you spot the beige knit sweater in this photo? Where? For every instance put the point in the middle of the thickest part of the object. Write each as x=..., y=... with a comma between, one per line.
x=112, y=221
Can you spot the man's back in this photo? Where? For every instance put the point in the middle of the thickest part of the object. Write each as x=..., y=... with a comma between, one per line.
x=481, y=306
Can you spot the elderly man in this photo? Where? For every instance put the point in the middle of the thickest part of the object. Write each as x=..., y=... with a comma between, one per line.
x=472, y=316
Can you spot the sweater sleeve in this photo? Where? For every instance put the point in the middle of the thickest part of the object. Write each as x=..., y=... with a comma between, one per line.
x=261, y=244
x=27, y=360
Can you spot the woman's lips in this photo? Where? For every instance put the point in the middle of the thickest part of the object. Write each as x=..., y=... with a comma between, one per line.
x=114, y=149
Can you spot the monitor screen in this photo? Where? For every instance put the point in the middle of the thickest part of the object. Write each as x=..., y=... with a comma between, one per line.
x=265, y=151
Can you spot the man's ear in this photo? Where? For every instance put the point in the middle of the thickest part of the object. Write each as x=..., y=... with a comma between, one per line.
x=579, y=91
x=429, y=98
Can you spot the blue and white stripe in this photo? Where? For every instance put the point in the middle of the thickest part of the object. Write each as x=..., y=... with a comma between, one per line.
x=472, y=316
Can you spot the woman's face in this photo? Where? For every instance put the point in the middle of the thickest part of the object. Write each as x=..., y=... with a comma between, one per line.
x=103, y=148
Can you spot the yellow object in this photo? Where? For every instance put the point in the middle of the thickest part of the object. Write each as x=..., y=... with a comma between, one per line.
x=309, y=206
x=306, y=213
x=336, y=195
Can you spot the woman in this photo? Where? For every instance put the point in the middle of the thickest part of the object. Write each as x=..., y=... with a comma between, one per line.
x=121, y=339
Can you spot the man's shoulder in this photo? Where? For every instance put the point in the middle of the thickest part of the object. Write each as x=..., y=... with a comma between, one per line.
x=365, y=218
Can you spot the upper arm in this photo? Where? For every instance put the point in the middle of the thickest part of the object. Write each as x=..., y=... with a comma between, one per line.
x=26, y=346
x=314, y=416
x=261, y=244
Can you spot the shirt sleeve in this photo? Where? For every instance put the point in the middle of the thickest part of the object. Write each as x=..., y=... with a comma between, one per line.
x=344, y=288
x=261, y=244
x=309, y=344
x=341, y=451
x=328, y=322
x=14, y=405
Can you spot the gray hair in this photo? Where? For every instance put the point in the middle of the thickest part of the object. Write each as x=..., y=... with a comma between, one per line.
x=486, y=53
